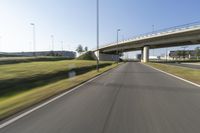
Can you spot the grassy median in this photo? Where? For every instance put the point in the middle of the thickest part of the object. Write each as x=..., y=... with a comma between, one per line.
x=186, y=73
x=26, y=84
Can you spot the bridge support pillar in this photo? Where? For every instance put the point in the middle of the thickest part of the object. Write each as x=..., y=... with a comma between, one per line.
x=146, y=54
x=142, y=55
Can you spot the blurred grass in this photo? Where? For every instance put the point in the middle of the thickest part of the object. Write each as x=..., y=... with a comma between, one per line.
x=176, y=61
x=20, y=101
x=186, y=73
x=14, y=60
x=24, y=84
x=17, y=78
x=32, y=69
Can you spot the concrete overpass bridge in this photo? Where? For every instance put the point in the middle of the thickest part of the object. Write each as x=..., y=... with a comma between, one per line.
x=188, y=34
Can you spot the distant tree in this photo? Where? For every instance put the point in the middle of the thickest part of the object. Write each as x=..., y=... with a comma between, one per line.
x=51, y=53
x=197, y=52
x=188, y=54
x=179, y=54
x=184, y=53
x=80, y=49
x=86, y=49
x=121, y=54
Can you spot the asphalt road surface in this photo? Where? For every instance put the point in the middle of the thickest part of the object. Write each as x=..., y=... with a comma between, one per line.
x=130, y=99
x=193, y=66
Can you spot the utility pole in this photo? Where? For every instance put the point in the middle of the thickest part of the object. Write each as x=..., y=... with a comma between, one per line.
x=52, y=42
x=118, y=30
x=34, y=39
x=97, y=35
x=62, y=45
x=153, y=28
x=1, y=44
x=62, y=48
x=184, y=51
x=166, y=54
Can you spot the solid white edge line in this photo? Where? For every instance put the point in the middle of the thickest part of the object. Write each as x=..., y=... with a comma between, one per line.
x=195, y=64
x=48, y=102
x=197, y=85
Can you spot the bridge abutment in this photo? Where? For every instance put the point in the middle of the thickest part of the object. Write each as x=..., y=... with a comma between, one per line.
x=106, y=57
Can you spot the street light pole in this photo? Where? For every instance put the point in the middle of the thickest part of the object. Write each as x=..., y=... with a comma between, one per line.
x=184, y=51
x=166, y=54
x=97, y=35
x=1, y=44
x=34, y=39
x=62, y=45
x=62, y=48
x=153, y=28
x=118, y=30
x=52, y=42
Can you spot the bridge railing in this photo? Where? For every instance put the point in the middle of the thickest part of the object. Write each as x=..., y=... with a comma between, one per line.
x=160, y=32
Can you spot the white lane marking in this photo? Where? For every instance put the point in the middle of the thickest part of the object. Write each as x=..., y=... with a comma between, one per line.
x=197, y=85
x=49, y=101
x=197, y=64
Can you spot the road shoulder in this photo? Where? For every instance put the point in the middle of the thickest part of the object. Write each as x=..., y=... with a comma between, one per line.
x=179, y=74
x=53, y=95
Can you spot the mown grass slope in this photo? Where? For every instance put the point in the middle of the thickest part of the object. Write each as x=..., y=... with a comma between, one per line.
x=17, y=78
x=186, y=73
x=14, y=60
x=24, y=84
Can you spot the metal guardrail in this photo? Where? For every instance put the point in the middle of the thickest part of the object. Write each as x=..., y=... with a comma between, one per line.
x=160, y=32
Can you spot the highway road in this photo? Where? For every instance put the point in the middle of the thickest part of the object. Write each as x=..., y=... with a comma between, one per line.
x=133, y=98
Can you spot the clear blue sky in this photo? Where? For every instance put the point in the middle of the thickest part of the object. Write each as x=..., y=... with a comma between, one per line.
x=74, y=21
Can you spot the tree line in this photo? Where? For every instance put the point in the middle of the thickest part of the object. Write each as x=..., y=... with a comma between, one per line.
x=184, y=53
x=80, y=49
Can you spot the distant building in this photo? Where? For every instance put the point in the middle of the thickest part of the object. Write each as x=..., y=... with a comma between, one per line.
x=182, y=54
x=154, y=57
x=67, y=54
x=139, y=57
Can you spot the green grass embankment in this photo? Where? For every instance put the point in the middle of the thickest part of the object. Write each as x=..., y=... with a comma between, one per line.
x=186, y=73
x=25, y=84
x=15, y=60
x=176, y=61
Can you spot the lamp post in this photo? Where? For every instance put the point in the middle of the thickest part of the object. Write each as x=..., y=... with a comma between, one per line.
x=97, y=36
x=62, y=48
x=184, y=51
x=118, y=30
x=52, y=42
x=0, y=44
x=166, y=54
x=153, y=28
x=52, y=45
x=62, y=45
x=34, y=39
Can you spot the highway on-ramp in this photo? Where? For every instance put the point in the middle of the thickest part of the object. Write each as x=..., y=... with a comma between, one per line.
x=132, y=98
